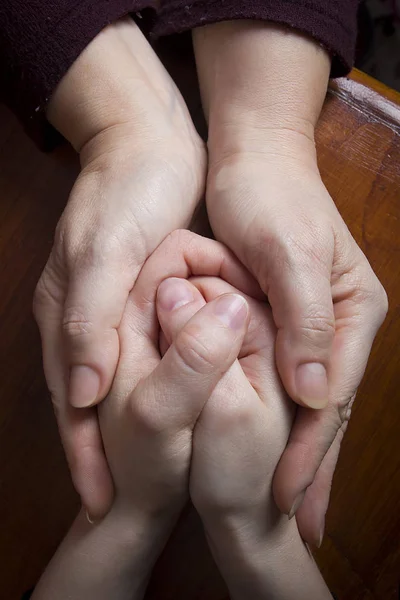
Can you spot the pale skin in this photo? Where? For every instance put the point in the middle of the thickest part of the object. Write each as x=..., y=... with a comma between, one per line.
x=144, y=170
x=203, y=412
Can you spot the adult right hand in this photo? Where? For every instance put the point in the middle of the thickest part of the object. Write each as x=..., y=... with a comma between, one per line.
x=143, y=172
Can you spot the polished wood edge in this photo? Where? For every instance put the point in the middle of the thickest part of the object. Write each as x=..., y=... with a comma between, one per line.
x=376, y=101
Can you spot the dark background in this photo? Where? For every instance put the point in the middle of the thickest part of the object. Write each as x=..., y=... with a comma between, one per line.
x=378, y=48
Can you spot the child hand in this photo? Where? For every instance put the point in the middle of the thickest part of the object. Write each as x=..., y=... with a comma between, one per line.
x=237, y=443
x=147, y=422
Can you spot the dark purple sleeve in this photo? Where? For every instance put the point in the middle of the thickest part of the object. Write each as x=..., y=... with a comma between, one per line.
x=39, y=40
x=333, y=23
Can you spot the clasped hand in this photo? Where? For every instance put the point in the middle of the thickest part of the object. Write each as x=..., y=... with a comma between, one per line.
x=196, y=407
x=144, y=170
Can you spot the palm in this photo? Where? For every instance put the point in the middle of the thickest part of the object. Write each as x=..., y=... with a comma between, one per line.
x=276, y=215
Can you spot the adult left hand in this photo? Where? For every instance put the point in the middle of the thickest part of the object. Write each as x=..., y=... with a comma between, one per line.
x=266, y=201
x=327, y=305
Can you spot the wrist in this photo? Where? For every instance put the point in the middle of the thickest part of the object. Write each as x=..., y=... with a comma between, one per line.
x=112, y=558
x=246, y=164
x=280, y=149
x=241, y=541
x=260, y=559
x=141, y=534
x=130, y=541
x=98, y=91
x=259, y=80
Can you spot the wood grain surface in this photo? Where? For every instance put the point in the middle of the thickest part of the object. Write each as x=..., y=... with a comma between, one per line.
x=359, y=156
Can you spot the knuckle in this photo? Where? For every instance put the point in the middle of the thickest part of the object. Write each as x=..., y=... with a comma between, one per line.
x=179, y=238
x=75, y=324
x=90, y=244
x=362, y=288
x=375, y=300
x=196, y=352
x=318, y=328
x=371, y=293
x=71, y=237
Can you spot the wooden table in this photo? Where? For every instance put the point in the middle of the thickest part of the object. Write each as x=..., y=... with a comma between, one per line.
x=359, y=155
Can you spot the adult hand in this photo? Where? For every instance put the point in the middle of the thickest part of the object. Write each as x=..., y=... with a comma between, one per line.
x=143, y=171
x=266, y=201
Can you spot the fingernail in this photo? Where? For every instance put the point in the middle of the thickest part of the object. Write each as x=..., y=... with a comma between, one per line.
x=232, y=310
x=296, y=504
x=89, y=519
x=321, y=536
x=312, y=384
x=173, y=293
x=84, y=384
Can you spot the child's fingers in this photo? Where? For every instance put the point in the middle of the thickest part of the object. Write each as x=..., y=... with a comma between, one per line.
x=178, y=301
x=173, y=396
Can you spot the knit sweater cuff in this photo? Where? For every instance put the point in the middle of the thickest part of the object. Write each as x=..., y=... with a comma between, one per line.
x=53, y=40
x=332, y=23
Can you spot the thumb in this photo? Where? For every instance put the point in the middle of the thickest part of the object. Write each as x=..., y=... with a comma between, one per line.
x=301, y=302
x=174, y=395
x=92, y=314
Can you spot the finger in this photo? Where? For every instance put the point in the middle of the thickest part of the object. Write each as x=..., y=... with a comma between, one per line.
x=93, y=310
x=105, y=253
x=173, y=396
x=260, y=334
x=184, y=254
x=310, y=516
x=178, y=301
x=300, y=294
x=234, y=383
x=312, y=435
x=181, y=255
x=79, y=430
x=314, y=431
